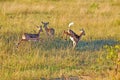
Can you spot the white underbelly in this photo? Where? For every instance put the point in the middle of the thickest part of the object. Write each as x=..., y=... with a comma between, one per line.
x=71, y=38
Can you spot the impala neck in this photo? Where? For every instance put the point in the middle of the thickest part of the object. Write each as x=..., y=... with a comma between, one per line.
x=39, y=32
x=81, y=34
x=46, y=28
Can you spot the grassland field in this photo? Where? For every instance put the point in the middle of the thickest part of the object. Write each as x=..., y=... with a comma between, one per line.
x=53, y=59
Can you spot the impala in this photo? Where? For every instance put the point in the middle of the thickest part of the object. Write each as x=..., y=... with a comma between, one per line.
x=73, y=36
x=49, y=31
x=31, y=37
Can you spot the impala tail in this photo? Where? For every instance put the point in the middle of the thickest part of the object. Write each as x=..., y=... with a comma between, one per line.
x=70, y=24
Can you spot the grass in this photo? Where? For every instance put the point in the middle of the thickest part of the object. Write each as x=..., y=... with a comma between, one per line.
x=55, y=58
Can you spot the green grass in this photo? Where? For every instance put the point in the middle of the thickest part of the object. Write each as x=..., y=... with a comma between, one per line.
x=56, y=58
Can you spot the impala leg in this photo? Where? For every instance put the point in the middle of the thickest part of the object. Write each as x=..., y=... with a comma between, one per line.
x=19, y=42
x=51, y=36
x=74, y=44
x=41, y=39
x=47, y=34
x=65, y=36
x=64, y=33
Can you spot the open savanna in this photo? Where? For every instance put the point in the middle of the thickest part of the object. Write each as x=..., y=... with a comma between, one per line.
x=55, y=58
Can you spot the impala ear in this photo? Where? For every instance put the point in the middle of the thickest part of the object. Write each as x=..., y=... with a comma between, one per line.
x=37, y=26
x=41, y=26
x=82, y=29
x=47, y=22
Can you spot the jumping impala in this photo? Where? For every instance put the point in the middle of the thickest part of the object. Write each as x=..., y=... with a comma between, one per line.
x=49, y=31
x=31, y=37
x=73, y=36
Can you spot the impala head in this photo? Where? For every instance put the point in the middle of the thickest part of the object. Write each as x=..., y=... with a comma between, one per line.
x=82, y=31
x=45, y=24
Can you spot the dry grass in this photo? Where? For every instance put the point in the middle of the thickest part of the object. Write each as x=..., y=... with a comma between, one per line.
x=55, y=58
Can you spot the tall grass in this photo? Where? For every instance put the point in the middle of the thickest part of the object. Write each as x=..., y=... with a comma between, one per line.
x=56, y=58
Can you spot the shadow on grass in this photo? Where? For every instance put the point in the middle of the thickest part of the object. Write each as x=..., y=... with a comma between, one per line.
x=60, y=43
x=93, y=45
x=57, y=43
